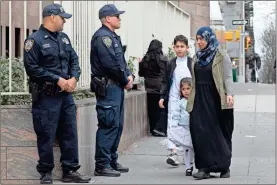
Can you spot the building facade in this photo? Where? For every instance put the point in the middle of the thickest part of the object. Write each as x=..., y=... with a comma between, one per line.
x=142, y=22
x=24, y=15
x=232, y=10
x=199, y=12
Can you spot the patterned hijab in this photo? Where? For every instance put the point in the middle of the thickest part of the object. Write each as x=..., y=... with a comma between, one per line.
x=206, y=55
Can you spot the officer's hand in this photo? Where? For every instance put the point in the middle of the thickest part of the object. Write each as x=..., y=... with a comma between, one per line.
x=161, y=103
x=71, y=84
x=130, y=79
x=62, y=83
x=130, y=83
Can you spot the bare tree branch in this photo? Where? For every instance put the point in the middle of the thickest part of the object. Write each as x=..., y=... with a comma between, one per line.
x=268, y=41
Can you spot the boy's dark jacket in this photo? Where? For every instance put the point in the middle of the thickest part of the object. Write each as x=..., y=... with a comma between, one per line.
x=168, y=76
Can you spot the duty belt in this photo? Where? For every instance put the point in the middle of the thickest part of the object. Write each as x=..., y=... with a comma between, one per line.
x=111, y=82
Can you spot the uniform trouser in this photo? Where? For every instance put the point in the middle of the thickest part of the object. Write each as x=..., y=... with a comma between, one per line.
x=56, y=116
x=110, y=115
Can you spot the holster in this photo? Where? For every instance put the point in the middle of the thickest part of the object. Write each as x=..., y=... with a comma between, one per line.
x=34, y=90
x=98, y=85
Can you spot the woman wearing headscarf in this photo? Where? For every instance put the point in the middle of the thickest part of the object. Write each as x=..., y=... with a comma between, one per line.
x=152, y=68
x=211, y=107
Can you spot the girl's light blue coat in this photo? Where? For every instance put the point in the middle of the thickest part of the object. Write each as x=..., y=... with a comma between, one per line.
x=180, y=117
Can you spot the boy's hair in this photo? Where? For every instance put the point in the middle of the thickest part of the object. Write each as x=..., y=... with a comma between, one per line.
x=185, y=80
x=181, y=38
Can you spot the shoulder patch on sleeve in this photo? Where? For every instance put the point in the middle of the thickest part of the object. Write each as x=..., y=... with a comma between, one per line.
x=107, y=41
x=28, y=44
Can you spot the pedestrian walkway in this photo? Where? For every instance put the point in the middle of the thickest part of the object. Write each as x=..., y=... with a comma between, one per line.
x=253, y=159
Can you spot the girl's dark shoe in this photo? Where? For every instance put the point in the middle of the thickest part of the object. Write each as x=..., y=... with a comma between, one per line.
x=189, y=171
x=201, y=174
x=225, y=174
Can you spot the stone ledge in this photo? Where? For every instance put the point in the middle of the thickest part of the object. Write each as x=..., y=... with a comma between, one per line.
x=18, y=140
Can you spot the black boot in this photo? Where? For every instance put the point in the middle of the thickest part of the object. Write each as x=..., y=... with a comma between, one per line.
x=107, y=172
x=118, y=167
x=201, y=174
x=46, y=178
x=225, y=174
x=74, y=176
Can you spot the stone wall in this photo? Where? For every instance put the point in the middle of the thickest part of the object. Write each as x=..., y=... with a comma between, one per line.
x=18, y=140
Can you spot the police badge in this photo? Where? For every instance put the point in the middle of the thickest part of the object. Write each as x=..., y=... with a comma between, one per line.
x=107, y=41
x=29, y=44
x=65, y=40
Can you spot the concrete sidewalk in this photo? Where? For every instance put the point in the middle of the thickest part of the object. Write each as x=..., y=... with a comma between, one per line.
x=253, y=159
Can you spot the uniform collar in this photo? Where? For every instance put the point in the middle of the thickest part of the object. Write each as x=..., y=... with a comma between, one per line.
x=113, y=33
x=47, y=33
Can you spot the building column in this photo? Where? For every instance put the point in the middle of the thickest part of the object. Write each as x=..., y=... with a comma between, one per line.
x=13, y=41
x=3, y=41
x=22, y=37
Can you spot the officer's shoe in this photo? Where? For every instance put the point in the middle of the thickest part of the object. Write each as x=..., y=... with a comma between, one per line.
x=107, y=172
x=225, y=174
x=46, y=178
x=74, y=176
x=118, y=167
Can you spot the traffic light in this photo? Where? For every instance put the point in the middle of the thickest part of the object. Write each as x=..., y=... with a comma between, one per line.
x=228, y=35
x=247, y=42
x=237, y=35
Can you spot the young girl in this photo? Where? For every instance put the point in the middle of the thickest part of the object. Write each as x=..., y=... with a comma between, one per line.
x=179, y=133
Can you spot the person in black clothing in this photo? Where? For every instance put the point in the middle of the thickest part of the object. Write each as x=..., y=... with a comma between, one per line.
x=152, y=69
x=255, y=65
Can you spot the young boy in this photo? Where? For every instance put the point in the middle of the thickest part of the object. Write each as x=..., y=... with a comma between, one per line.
x=177, y=69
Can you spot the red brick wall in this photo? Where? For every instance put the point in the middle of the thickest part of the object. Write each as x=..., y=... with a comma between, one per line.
x=200, y=14
x=18, y=20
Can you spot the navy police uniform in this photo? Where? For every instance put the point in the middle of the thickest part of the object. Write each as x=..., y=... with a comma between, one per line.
x=47, y=57
x=109, y=66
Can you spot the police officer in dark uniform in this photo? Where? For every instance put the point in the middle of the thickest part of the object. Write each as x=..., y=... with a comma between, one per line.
x=110, y=75
x=53, y=68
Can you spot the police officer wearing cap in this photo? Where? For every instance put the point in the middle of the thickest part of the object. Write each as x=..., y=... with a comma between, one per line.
x=53, y=69
x=110, y=75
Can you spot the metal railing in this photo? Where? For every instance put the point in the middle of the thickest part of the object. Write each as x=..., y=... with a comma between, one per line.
x=11, y=59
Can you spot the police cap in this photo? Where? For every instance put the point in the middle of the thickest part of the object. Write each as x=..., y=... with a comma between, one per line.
x=55, y=9
x=109, y=10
